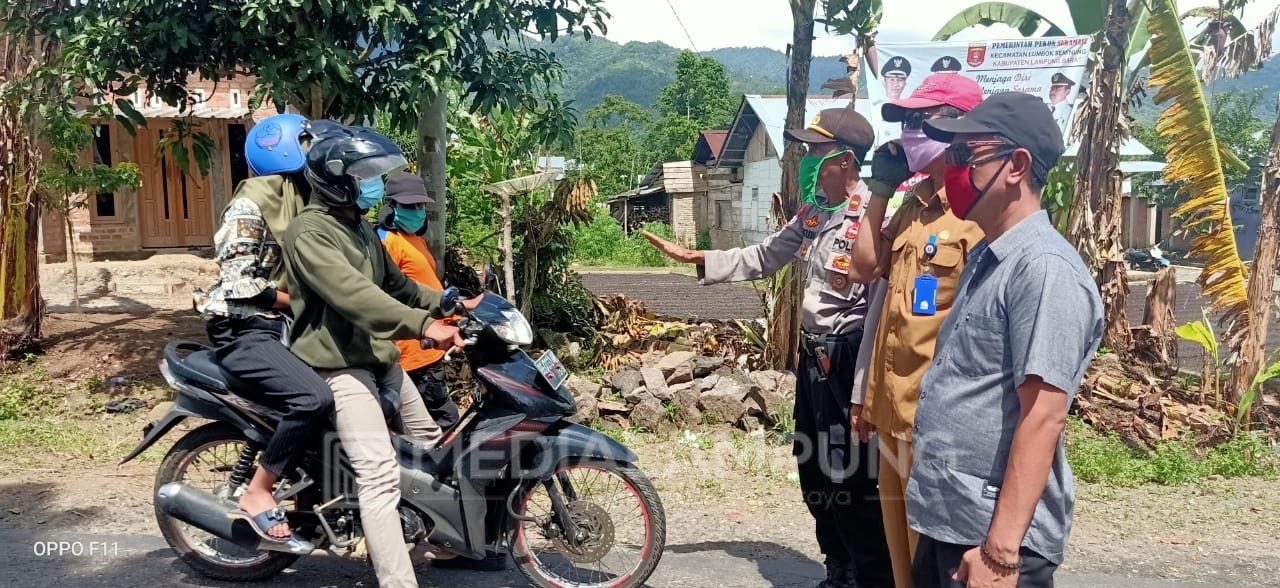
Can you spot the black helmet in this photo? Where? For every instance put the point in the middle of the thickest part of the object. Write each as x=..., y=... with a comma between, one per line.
x=341, y=156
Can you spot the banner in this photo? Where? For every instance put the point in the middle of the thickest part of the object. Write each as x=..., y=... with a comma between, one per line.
x=1051, y=68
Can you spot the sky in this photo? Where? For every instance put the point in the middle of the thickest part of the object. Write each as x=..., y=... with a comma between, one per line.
x=713, y=24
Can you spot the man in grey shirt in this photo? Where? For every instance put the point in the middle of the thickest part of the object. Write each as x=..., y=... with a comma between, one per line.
x=837, y=474
x=991, y=492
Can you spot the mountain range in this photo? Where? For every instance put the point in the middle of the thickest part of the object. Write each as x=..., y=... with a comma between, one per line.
x=639, y=70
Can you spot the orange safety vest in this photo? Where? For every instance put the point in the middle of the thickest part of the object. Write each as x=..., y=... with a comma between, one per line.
x=414, y=259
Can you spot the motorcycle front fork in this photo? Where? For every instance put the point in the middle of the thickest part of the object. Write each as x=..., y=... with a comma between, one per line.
x=560, y=507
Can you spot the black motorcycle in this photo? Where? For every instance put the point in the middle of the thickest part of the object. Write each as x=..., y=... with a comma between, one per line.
x=568, y=502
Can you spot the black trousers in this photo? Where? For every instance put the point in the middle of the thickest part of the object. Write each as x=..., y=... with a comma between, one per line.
x=837, y=476
x=250, y=348
x=936, y=561
x=430, y=381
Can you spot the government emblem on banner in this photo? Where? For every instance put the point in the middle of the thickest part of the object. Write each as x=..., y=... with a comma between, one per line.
x=977, y=54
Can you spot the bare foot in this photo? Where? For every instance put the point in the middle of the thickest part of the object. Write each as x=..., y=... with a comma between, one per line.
x=256, y=501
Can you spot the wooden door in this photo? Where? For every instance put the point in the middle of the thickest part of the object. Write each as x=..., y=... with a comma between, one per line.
x=174, y=209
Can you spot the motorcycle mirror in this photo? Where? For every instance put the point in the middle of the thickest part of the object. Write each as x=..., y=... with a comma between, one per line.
x=449, y=301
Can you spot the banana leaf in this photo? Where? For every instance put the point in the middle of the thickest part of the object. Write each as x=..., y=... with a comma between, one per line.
x=1195, y=162
x=1025, y=20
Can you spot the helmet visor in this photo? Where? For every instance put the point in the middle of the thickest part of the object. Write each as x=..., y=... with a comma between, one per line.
x=377, y=165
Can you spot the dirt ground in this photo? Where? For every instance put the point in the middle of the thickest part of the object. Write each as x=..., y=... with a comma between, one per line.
x=61, y=473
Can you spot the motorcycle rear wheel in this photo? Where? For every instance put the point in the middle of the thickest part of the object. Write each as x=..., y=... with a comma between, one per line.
x=632, y=535
x=211, y=450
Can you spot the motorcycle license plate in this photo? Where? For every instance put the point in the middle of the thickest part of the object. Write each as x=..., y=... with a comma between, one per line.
x=551, y=369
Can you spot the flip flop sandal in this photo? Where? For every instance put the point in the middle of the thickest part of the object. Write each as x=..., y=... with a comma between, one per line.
x=264, y=521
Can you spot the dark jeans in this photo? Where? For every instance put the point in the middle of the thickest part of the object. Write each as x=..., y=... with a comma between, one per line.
x=430, y=381
x=837, y=476
x=936, y=561
x=250, y=348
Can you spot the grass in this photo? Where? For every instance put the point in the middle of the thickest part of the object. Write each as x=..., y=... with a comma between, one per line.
x=34, y=441
x=603, y=243
x=1106, y=459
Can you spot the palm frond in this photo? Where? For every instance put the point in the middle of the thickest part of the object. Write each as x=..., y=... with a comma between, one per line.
x=1195, y=163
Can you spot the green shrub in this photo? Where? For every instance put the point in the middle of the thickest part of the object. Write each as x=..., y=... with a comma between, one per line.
x=603, y=243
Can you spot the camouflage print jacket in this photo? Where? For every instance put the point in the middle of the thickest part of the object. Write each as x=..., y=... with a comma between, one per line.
x=248, y=258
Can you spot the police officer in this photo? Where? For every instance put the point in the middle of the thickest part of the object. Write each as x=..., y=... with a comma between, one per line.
x=1059, y=90
x=946, y=64
x=836, y=475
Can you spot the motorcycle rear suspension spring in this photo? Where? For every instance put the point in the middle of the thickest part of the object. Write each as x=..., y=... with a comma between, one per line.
x=244, y=464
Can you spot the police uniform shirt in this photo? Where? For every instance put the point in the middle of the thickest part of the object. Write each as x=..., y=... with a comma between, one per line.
x=822, y=241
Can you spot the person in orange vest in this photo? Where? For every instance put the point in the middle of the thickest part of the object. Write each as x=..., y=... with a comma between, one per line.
x=401, y=224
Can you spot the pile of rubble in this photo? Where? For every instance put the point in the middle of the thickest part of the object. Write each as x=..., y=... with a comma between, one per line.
x=662, y=392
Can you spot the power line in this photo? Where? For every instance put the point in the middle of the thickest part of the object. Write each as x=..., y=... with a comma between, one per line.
x=682, y=27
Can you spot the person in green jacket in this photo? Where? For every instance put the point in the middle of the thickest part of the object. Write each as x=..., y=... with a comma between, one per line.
x=350, y=303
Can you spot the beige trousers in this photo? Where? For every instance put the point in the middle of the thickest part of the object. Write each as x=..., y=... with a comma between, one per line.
x=895, y=470
x=365, y=438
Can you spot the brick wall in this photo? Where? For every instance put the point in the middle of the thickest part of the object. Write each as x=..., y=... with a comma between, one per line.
x=682, y=219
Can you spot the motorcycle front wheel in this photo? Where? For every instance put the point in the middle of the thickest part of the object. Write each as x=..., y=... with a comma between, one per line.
x=619, y=527
x=204, y=459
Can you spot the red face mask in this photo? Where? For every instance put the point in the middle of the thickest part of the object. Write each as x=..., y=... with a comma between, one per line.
x=962, y=194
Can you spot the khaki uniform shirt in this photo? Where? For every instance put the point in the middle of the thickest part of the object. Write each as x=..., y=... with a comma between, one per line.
x=904, y=341
x=822, y=241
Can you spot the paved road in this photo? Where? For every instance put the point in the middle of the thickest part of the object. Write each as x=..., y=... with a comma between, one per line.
x=143, y=560
x=680, y=295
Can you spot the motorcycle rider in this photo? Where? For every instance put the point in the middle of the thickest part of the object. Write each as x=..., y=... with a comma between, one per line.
x=350, y=302
x=245, y=312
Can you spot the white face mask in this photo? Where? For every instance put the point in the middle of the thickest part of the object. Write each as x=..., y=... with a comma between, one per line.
x=920, y=149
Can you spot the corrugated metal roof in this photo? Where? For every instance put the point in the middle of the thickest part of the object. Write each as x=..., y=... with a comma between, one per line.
x=1131, y=148
x=772, y=111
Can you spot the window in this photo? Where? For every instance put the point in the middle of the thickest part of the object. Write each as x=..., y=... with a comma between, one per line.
x=724, y=210
x=236, y=134
x=136, y=99
x=155, y=101
x=755, y=193
x=104, y=203
x=235, y=98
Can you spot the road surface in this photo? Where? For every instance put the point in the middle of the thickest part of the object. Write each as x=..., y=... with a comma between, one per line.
x=145, y=560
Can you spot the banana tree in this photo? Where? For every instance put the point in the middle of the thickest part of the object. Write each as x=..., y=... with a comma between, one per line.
x=860, y=18
x=1087, y=18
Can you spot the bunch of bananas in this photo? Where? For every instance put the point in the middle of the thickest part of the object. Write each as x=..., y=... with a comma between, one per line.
x=573, y=199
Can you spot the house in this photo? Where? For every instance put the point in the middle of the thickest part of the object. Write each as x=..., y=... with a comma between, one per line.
x=751, y=162
x=676, y=192
x=173, y=208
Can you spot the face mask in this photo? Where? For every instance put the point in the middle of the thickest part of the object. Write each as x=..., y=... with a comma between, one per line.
x=371, y=192
x=921, y=150
x=962, y=194
x=410, y=220
x=810, y=165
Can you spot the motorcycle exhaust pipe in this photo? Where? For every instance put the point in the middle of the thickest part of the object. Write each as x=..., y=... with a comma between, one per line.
x=209, y=513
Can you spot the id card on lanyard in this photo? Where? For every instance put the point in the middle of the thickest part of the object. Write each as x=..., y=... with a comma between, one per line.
x=924, y=299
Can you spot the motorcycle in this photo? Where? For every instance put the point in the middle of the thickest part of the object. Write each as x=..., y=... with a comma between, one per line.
x=569, y=502
x=1147, y=260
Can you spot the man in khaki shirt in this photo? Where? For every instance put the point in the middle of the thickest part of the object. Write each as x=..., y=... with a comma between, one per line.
x=921, y=249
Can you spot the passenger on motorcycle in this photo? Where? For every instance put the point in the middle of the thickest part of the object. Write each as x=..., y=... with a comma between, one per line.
x=350, y=302
x=246, y=311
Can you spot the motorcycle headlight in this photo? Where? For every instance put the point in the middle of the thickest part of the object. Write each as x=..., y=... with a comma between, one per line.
x=515, y=330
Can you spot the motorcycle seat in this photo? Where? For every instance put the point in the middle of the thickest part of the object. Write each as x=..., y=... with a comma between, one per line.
x=201, y=367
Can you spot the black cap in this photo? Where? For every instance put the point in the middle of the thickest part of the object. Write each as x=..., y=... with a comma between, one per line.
x=1021, y=118
x=1061, y=80
x=896, y=66
x=406, y=188
x=842, y=126
x=945, y=63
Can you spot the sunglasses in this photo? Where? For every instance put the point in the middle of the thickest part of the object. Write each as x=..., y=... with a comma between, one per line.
x=960, y=154
x=914, y=120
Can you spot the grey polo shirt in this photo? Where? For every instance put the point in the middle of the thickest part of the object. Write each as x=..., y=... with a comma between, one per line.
x=1025, y=306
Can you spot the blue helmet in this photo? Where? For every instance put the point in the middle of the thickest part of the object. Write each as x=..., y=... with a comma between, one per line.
x=274, y=145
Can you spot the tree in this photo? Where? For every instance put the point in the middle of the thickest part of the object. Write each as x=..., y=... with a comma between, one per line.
x=697, y=100
x=21, y=54
x=1094, y=223
x=66, y=178
x=859, y=18
x=609, y=145
x=342, y=60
